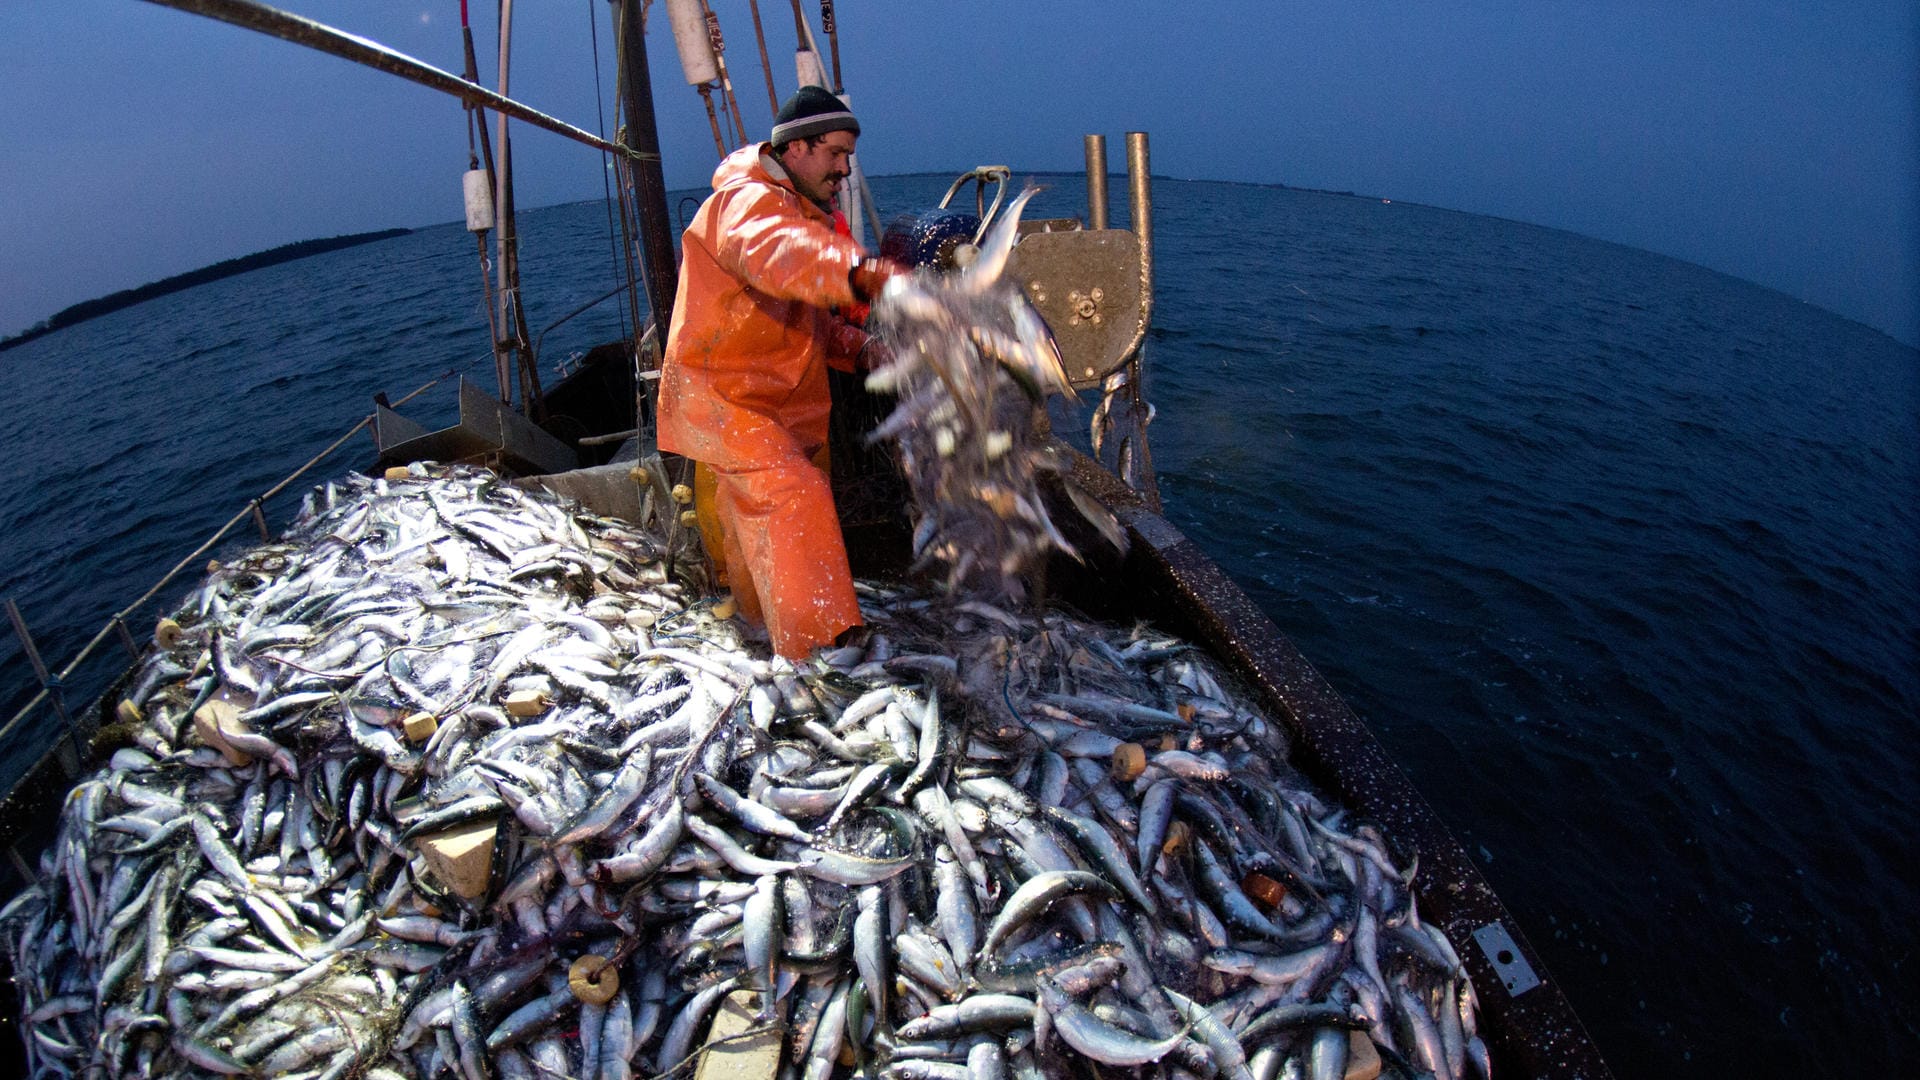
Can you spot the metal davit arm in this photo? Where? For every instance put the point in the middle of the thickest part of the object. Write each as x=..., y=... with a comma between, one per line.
x=318, y=36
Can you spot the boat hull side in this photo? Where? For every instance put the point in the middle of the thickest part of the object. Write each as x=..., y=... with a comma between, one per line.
x=1172, y=582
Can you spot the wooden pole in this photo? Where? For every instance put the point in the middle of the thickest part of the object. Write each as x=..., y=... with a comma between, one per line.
x=512, y=321
x=760, y=36
x=478, y=118
x=641, y=138
x=726, y=81
x=713, y=119
x=833, y=42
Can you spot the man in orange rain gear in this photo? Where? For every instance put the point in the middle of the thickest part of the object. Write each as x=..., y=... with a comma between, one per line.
x=743, y=387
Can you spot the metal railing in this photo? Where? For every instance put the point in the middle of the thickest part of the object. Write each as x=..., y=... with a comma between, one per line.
x=52, y=684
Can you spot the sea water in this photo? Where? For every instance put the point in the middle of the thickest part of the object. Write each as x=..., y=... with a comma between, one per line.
x=1620, y=557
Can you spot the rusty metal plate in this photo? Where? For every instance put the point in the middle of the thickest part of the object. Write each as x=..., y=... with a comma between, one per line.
x=1086, y=284
x=1507, y=959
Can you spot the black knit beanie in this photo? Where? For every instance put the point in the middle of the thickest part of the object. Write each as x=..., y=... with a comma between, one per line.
x=812, y=111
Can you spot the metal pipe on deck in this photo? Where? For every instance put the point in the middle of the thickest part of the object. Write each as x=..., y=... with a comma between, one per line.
x=1140, y=205
x=32, y=651
x=126, y=637
x=1096, y=181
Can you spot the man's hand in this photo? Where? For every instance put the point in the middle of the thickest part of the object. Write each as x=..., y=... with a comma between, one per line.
x=869, y=276
x=874, y=354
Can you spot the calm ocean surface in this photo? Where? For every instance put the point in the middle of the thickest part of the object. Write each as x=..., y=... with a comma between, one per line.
x=1620, y=557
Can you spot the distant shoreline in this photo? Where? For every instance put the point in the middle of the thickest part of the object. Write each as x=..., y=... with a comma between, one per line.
x=125, y=298
x=1273, y=185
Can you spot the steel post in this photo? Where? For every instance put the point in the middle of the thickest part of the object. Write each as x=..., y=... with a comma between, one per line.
x=1096, y=181
x=1140, y=205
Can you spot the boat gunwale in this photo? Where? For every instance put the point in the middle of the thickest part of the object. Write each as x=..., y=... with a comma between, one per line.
x=1182, y=590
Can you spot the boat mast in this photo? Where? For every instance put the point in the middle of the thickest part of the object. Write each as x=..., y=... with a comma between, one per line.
x=477, y=125
x=640, y=137
x=512, y=313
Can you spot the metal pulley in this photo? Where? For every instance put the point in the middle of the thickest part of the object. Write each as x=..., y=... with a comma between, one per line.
x=1087, y=285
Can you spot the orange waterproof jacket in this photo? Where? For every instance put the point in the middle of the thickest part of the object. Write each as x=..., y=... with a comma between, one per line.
x=744, y=381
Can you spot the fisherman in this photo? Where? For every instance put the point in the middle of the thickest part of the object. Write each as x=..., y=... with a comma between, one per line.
x=743, y=388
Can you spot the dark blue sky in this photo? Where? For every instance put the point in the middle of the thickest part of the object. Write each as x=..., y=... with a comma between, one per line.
x=1773, y=141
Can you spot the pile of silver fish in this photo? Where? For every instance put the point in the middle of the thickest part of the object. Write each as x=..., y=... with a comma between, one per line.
x=982, y=844
x=973, y=365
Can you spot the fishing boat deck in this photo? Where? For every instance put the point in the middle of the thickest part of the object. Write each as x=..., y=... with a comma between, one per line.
x=1166, y=579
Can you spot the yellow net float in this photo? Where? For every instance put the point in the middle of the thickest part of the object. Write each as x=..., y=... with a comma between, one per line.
x=593, y=979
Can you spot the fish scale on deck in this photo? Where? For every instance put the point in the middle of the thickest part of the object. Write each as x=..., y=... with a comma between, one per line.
x=922, y=851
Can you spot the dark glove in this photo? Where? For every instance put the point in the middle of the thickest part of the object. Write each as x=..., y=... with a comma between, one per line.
x=869, y=276
x=874, y=354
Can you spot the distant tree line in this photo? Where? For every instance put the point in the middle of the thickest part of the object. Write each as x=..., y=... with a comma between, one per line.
x=88, y=309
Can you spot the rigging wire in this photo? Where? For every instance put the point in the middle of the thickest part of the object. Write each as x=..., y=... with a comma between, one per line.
x=606, y=162
x=629, y=201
